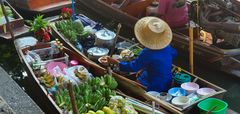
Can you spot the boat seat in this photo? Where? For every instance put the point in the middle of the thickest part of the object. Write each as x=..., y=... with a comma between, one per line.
x=137, y=8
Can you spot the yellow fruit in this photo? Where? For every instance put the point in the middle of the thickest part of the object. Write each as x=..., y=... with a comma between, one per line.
x=100, y=112
x=107, y=110
x=91, y=112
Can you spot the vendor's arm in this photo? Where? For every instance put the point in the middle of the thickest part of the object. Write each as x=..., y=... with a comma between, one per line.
x=140, y=62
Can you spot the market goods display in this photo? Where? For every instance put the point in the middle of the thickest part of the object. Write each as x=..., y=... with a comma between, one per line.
x=47, y=79
x=71, y=29
x=9, y=13
x=91, y=95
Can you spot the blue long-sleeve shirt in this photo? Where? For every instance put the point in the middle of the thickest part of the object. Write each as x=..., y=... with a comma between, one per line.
x=157, y=65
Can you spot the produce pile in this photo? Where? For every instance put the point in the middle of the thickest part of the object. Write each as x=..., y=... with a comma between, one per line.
x=71, y=29
x=116, y=105
x=9, y=14
x=41, y=28
x=8, y=11
x=91, y=95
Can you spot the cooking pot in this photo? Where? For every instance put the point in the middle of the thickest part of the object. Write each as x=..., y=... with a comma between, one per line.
x=105, y=38
x=95, y=53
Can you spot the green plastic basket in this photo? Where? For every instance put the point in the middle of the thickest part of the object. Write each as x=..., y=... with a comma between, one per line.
x=207, y=104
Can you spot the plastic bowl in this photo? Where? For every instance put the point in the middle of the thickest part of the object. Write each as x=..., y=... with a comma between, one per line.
x=56, y=68
x=205, y=91
x=101, y=59
x=190, y=87
x=177, y=91
x=180, y=101
x=154, y=93
x=165, y=96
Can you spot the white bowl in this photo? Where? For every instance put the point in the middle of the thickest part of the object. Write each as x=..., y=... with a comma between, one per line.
x=180, y=101
x=205, y=91
x=190, y=87
x=154, y=93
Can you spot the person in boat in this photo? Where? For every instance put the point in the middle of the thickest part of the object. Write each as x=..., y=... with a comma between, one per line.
x=174, y=12
x=155, y=60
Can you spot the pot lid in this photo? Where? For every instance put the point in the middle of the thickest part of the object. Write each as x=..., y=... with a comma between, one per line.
x=97, y=51
x=105, y=34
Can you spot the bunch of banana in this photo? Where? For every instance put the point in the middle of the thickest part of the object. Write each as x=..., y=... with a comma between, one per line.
x=48, y=80
x=60, y=81
x=81, y=75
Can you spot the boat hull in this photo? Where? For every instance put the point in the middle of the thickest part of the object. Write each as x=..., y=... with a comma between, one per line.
x=199, y=80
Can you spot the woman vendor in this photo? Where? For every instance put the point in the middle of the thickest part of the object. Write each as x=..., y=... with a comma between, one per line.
x=174, y=12
x=156, y=59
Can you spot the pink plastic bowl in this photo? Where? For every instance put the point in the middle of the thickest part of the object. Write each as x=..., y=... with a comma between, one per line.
x=190, y=87
x=50, y=68
x=205, y=91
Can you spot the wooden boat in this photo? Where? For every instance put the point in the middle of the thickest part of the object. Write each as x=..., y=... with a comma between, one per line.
x=43, y=95
x=17, y=24
x=168, y=106
x=40, y=6
x=227, y=60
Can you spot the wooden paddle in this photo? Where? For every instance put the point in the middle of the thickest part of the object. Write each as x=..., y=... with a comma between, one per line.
x=113, y=47
x=115, y=40
x=191, y=49
x=7, y=20
x=72, y=98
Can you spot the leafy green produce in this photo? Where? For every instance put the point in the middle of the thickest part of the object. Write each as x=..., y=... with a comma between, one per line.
x=71, y=29
x=38, y=23
x=91, y=95
x=137, y=51
x=8, y=12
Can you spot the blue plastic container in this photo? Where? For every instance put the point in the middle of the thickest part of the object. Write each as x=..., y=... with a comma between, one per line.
x=177, y=91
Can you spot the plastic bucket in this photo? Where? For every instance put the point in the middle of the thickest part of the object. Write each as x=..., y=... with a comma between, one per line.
x=209, y=103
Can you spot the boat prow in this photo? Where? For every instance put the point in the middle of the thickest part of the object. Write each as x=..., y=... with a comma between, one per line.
x=40, y=6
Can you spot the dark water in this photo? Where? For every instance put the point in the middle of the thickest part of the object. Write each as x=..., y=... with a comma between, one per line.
x=10, y=62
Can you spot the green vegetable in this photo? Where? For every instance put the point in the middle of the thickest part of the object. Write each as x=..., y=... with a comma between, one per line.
x=110, y=81
x=8, y=12
x=91, y=95
x=71, y=29
x=38, y=23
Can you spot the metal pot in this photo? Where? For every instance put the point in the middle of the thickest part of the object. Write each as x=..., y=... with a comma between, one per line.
x=105, y=38
x=95, y=53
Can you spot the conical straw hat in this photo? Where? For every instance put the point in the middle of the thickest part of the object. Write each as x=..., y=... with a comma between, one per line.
x=153, y=33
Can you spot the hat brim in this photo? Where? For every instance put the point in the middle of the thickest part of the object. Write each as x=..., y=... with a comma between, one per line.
x=152, y=40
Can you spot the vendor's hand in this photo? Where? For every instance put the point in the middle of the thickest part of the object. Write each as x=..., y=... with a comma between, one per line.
x=112, y=61
x=108, y=60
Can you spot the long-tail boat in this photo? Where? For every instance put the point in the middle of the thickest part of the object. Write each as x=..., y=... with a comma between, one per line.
x=40, y=6
x=16, y=22
x=227, y=60
x=26, y=44
x=165, y=105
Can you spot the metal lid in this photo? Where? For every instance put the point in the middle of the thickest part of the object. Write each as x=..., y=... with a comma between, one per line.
x=97, y=51
x=105, y=34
